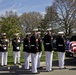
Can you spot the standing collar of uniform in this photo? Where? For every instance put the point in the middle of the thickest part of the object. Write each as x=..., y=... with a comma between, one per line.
x=34, y=34
x=3, y=38
x=15, y=38
x=49, y=34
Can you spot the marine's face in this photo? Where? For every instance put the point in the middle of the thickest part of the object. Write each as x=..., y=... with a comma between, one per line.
x=4, y=37
x=16, y=36
x=38, y=35
x=49, y=32
x=62, y=35
x=35, y=32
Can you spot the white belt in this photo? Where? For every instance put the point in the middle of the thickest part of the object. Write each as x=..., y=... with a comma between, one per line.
x=60, y=45
x=4, y=45
x=47, y=43
x=32, y=45
x=26, y=45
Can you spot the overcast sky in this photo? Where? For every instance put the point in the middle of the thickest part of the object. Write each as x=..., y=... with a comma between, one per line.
x=21, y=6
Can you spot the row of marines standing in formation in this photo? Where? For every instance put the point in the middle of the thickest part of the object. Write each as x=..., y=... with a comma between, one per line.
x=33, y=45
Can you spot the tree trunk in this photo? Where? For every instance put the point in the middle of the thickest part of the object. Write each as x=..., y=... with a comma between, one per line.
x=69, y=31
x=66, y=28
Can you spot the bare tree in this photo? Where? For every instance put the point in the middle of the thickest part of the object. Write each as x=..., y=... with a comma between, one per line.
x=66, y=10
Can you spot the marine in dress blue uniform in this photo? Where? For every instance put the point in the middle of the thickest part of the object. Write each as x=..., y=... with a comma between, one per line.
x=60, y=45
x=16, y=48
x=48, y=49
x=39, y=48
x=34, y=50
x=4, y=49
x=26, y=50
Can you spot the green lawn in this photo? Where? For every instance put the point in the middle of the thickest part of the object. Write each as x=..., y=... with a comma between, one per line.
x=11, y=60
x=10, y=55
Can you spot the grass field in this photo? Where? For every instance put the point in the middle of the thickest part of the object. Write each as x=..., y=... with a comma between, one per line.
x=11, y=60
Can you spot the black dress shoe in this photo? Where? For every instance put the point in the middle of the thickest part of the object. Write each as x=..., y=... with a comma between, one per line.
x=27, y=69
x=30, y=62
x=5, y=65
x=63, y=68
x=2, y=65
x=19, y=63
x=14, y=64
x=39, y=67
x=36, y=73
x=49, y=71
